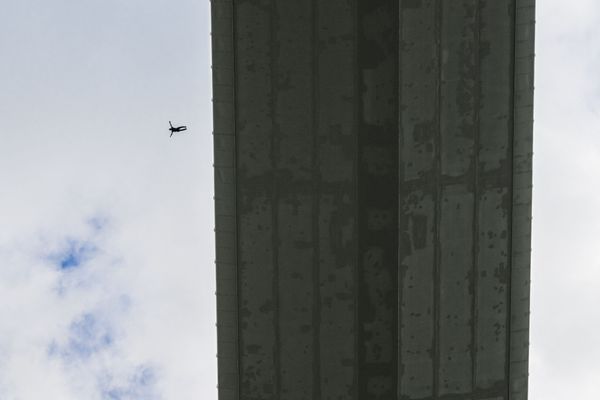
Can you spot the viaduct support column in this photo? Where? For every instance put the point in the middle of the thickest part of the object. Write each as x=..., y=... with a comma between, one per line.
x=373, y=198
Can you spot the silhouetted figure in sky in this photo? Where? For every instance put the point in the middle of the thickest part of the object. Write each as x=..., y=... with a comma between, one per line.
x=176, y=129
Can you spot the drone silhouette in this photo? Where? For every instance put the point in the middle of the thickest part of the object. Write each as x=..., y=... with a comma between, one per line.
x=176, y=128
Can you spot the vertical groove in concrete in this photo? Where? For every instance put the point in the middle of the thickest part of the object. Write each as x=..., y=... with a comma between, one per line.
x=475, y=189
x=357, y=196
x=274, y=198
x=401, y=230
x=316, y=213
x=508, y=295
x=377, y=173
x=358, y=344
x=437, y=199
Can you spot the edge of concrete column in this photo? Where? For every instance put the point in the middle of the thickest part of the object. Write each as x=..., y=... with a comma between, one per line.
x=524, y=50
x=223, y=72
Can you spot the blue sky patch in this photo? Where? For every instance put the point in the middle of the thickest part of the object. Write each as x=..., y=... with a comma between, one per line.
x=75, y=254
x=141, y=385
x=87, y=336
x=98, y=223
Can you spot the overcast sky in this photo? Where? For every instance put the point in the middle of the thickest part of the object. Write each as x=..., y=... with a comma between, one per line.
x=106, y=238
x=106, y=225
x=565, y=344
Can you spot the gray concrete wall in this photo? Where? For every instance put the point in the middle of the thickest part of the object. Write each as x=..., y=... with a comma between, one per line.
x=373, y=198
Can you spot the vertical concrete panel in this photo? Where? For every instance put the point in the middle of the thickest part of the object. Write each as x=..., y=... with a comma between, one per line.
x=493, y=191
x=337, y=236
x=335, y=102
x=292, y=64
x=492, y=286
x=296, y=296
x=458, y=96
x=416, y=313
x=293, y=151
x=253, y=90
x=455, y=297
x=257, y=273
x=418, y=88
x=458, y=91
x=495, y=69
x=257, y=301
x=377, y=172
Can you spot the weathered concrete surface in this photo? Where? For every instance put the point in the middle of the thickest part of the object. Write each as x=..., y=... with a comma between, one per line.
x=373, y=198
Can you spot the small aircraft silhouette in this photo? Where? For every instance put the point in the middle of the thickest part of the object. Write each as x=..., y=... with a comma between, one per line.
x=176, y=128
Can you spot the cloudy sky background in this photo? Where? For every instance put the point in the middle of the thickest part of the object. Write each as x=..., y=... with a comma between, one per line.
x=565, y=350
x=106, y=225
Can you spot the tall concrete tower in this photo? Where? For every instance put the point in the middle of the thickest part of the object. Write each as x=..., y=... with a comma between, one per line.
x=373, y=198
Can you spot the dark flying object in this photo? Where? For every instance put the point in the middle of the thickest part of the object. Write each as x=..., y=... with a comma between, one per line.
x=176, y=128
